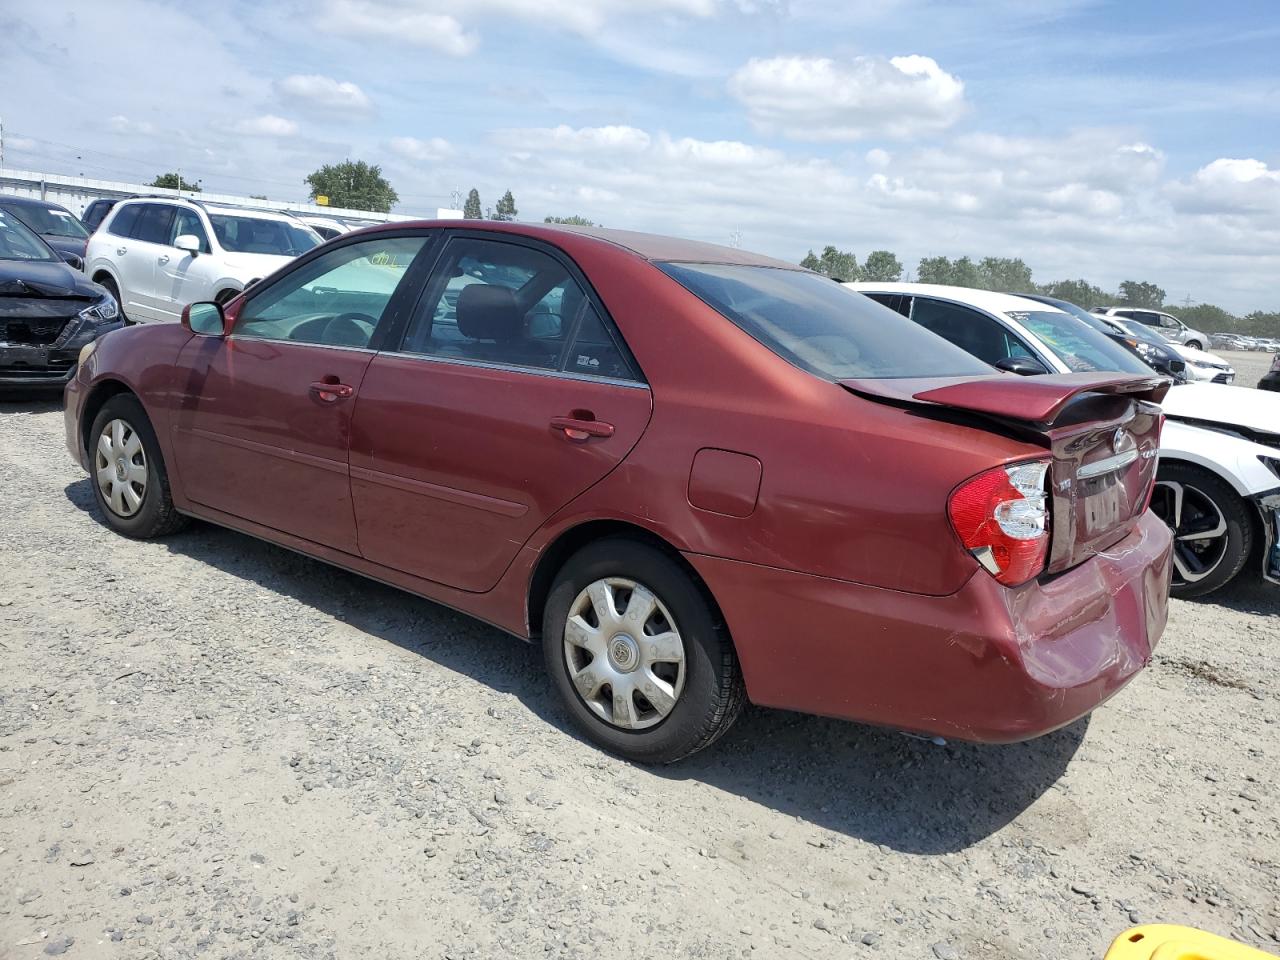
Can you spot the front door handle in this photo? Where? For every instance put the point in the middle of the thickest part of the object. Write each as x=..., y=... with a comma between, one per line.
x=581, y=429
x=121, y=251
x=164, y=259
x=330, y=390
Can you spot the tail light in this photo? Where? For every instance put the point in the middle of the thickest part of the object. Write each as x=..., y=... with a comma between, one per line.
x=1002, y=518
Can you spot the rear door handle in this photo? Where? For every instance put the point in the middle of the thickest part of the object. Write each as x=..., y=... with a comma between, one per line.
x=330, y=390
x=164, y=259
x=121, y=251
x=580, y=430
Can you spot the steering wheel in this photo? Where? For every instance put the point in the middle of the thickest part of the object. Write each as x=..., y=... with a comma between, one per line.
x=347, y=330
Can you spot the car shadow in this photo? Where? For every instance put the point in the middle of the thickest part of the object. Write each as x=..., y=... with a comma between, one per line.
x=880, y=786
x=1247, y=593
x=30, y=402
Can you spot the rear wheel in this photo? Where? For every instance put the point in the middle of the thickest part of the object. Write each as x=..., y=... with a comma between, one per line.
x=222, y=296
x=1212, y=529
x=129, y=479
x=637, y=653
x=1195, y=344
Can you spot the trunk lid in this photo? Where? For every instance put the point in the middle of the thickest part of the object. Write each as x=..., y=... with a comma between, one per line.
x=1101, y=430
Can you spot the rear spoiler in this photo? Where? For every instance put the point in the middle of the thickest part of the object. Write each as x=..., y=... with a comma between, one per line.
x=1038, y=399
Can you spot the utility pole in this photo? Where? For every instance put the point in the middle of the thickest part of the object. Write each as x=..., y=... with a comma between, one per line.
x=735, y=239
x=1, y=141
x=1186, y=301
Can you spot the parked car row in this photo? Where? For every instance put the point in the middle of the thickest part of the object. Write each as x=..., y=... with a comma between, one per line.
x=1238, y=341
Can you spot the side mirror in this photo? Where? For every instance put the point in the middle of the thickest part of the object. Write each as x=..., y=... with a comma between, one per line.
x=1022, y=366
x=188, y=242
x=73, y=260
x=204, y=319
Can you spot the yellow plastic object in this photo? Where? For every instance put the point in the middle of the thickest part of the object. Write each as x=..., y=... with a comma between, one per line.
x=1164, y=941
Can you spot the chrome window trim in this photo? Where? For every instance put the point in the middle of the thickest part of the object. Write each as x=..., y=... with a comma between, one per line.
x=517, y=368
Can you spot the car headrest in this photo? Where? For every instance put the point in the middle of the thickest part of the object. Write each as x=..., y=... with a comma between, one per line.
x=488, y=312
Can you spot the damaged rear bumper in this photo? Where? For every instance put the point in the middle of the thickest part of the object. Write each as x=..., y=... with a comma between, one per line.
x=987, y=663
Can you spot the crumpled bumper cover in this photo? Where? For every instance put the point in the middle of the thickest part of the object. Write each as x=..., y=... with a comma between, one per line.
x=1268, y=505
x=987, y=663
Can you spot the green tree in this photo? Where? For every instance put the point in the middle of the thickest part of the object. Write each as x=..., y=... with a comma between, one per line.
x=935, y=270
x=881, y=265
x=258, y=196
x=1009, y=275
x=506, y=209
x=1209, y=318
x=471, y=209
x=838, y=264
x=573, y=221
x=1259, y=324
x=1080, y=292
x=353, y=184
x=172, y=181
x=811, y=262
x=1135, y=294
x=965, y=273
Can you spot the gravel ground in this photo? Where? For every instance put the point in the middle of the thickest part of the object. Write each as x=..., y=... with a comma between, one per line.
x=213, y=747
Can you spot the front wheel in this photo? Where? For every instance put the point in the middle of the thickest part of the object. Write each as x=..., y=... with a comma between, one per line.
x=1212, y=530
x=638, y=654
x=129, y=479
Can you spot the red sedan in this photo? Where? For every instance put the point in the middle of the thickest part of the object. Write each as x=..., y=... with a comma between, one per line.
x=693, y=474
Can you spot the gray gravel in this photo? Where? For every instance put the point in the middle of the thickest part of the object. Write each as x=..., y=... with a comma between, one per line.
x=213, y=747
x=1250, y=365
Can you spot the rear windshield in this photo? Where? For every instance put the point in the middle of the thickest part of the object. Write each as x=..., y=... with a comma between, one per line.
x=1082, y=348
x=260, y=235
x=822, y=327
x=52, y=221
x=17, y=242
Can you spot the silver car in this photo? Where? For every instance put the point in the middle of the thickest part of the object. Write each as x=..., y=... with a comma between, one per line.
x=1170, y=327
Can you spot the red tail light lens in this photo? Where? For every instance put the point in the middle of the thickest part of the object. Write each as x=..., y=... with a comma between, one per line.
x=1002, y=518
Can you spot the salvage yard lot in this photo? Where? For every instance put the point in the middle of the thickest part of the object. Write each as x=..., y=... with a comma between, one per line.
x=209, y=745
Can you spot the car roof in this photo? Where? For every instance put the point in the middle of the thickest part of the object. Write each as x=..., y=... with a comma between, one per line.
x=991, y=300
x=649, y=246
x=6, y=198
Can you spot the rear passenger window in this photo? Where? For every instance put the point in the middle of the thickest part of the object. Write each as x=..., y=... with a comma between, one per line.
x=496, y=302
x=152, y=225
x=121, y=224
x=897, y=302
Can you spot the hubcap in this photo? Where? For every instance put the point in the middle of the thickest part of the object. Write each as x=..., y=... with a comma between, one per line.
x=1200, y=536
x=624, y=653
x=121, y=468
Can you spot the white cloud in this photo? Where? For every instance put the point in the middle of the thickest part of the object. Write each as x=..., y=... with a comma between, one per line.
x=411, y=148
x=315, y=90
x=611, y=139
x=267, y=125
x=1235, y=187
x=122, y=124
x=816, y=98
x=398, y=21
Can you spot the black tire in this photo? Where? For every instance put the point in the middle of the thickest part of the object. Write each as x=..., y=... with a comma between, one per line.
x=1194, y=344
x=713, y=692
x=156, y=515
x=111, y=288
x=1224, y=557
x=222, y=296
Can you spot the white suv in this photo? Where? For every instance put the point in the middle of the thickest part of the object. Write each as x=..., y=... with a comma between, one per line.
x=157, y=254
x=1170, y=327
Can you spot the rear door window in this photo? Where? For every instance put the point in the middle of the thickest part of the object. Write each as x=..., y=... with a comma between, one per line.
x=152, y=225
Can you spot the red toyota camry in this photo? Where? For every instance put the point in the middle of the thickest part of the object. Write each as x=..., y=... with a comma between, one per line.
x=693, y=474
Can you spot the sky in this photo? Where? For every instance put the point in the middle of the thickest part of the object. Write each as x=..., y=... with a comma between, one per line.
x=1131, y=140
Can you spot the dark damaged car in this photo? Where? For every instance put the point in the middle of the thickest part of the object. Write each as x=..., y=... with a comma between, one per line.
x=48, y=311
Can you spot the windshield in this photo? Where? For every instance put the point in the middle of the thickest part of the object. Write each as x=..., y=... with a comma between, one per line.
x=1082, y=348
x=51, y=221
x=281, y=238
x=17, y=242
x=820, y=326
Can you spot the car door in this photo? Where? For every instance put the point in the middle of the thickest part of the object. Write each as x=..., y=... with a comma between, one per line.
x=128, y=259
x=183, y=277
x=148, y=250
x=509, y=394
x=264, y=425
